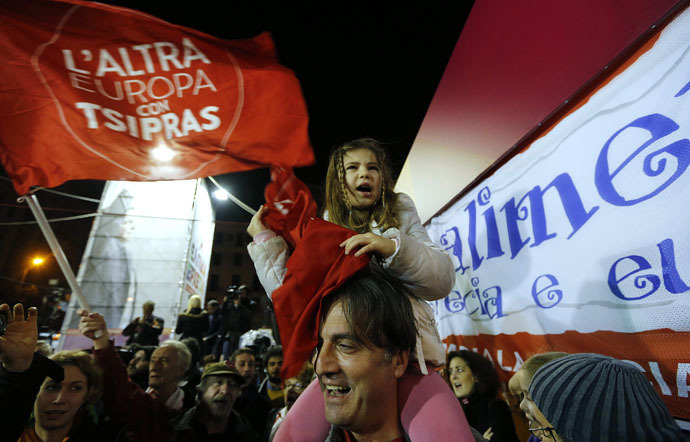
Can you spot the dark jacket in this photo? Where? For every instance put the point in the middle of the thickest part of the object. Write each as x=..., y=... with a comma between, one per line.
x=187, y=429
x=192, y=325
x=483, y=412
x=145, y=331
x=254, y=407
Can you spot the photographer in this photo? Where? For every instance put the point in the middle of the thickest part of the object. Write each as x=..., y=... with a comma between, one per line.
x=236, y=319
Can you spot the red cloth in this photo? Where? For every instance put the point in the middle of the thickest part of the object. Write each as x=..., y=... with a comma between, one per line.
x=316, y=268
x=88, y=90
x=289, y=205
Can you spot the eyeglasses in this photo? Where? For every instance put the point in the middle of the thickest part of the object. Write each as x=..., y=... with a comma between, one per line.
x=297, y=386
x=544, y=431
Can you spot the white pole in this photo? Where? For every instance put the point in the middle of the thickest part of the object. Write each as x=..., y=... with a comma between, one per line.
x=32, y=201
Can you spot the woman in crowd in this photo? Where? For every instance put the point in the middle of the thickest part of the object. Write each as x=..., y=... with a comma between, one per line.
x=192, y=323
x=475, y=383
x=59, y=389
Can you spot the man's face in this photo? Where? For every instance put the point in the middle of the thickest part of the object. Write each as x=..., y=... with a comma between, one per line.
x=273, y=369
x=164, y=368
x=358, y=382
x=292, y=390
x=148, y=310
x=219, y=395
x=138, y=364
x=211, y=308
x=245, y=365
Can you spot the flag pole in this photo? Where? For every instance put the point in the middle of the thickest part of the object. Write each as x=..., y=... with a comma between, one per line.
x=32, y=201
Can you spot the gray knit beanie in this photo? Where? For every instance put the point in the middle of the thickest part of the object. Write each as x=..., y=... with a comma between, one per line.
x=589, y=397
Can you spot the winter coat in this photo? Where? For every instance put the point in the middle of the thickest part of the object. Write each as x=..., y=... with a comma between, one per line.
x=422, y=266
x=192, y=325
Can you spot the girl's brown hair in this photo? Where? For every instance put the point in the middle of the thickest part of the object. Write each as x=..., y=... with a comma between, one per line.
x=338, y=205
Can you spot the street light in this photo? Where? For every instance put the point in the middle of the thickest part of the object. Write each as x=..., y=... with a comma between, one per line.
x=35, y=262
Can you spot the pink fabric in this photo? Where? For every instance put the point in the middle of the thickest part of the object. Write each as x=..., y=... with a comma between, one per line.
x=430, y=412
x=264, y=236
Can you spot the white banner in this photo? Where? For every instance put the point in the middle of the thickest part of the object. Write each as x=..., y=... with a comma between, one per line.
x=585, y=232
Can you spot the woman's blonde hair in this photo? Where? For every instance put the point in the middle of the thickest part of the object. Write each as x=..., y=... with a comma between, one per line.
x=338, y=205
x=85, y=363
x=194, y=302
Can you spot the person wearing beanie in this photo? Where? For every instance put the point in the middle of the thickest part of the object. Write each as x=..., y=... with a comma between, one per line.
x=589, y=397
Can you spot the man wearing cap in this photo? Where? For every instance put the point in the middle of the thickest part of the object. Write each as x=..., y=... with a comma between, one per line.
x=213, y=415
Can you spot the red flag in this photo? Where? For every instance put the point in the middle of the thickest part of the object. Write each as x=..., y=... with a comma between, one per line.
x=95, y=91
x=316, y=268
x=289, y=205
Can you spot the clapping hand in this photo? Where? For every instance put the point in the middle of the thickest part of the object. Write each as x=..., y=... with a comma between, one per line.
x=18, y=344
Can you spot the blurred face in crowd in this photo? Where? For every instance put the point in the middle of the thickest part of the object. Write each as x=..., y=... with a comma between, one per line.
x=148, y=310
x=519, y=386
x=292, y=390
x=138, y=364
x=211, y=308
x=245, y=365
x=219, y=395
x=273, y=369
x=58, y=402
x=461, y=378
x=164, y=368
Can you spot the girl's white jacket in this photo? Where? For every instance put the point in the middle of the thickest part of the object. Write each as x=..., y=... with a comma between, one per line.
x=424, y=268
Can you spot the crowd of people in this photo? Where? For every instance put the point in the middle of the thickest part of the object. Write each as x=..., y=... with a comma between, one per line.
x=374, y=371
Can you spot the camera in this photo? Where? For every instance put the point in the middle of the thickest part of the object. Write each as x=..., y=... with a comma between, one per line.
x=3, y=321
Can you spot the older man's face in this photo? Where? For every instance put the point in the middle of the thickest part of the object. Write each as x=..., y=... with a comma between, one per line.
x=219, y=395
x=358, y=382
x=164, y=367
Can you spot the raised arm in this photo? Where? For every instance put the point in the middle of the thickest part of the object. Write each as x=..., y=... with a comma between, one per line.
x=269, y=252
x=22, y=370
x=124, y=400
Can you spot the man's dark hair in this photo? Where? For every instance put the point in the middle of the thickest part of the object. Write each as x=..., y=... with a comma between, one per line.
x=378, y=310
x=273, y=351
x=487, y=382
x=242, y=350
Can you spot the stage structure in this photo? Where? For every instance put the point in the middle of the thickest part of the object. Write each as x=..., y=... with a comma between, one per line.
x=149, y=242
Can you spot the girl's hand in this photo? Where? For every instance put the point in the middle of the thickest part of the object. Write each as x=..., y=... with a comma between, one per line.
x=256, y=225
x=18, y=344
x=369, y=243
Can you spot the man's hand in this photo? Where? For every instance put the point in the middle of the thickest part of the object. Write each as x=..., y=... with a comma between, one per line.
x=489, y=433
x=18, y=344
x=92, y=325
x=369, y=243
x=256, y=225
